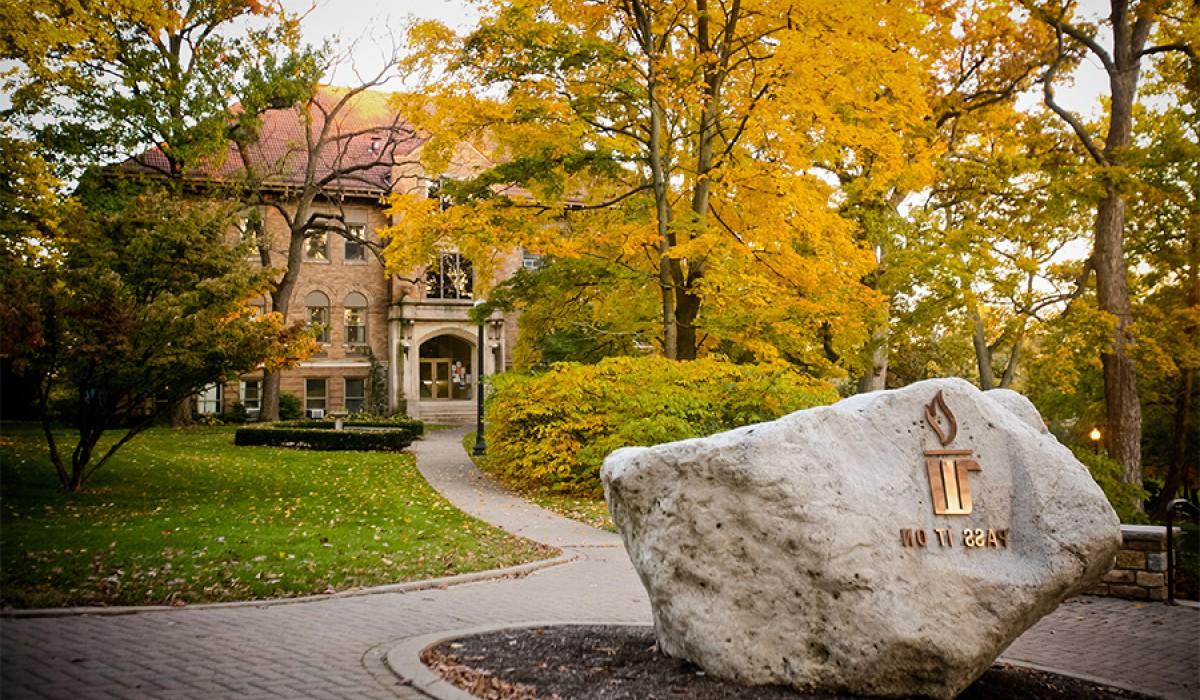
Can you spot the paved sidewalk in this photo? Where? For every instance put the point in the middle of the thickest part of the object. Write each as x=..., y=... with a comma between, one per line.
x=336, y=648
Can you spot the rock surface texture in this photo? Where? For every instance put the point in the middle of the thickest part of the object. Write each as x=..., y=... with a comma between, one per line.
x=807, y=551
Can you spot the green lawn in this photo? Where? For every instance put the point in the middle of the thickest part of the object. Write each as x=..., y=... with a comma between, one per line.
x=184, y=516
x=590, y=511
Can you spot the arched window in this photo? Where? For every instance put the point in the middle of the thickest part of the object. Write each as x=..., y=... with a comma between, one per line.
x=355, y=308
x=317, y=306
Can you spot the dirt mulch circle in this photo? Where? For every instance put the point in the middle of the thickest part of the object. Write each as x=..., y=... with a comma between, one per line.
x=620, y=662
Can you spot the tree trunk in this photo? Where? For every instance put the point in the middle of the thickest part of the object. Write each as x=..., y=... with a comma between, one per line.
x=80, y=456
x=687, y=309
x=281, y=297
x=659, y=161
x=1177, y=467
x=687, y=301
x=181, y=413
x=983, y=355
x=1123, y=408
x=1014, y=358
x=1177, y=460
x=875, y=378
x=1131, y=28
x=269, y=405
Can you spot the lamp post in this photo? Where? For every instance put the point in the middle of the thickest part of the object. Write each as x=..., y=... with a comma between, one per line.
x=480, y=447
x=1095, y=436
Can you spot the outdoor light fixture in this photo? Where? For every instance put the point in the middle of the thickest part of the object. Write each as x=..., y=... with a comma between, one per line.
x=406, y=334
x=495, y=331
x=1095, y=436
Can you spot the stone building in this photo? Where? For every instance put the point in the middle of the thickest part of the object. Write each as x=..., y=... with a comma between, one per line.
x=412, y=327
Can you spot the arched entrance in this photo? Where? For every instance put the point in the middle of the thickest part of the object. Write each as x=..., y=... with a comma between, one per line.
x=446, y=369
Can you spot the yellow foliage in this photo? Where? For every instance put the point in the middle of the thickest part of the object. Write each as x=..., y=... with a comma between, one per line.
x=762, y=106
x=552, y=430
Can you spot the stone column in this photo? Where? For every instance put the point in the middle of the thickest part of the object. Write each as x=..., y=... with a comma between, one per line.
x=395, y=366
x=1140, y=572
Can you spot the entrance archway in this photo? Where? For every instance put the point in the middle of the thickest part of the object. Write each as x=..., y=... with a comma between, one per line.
x=446, y=369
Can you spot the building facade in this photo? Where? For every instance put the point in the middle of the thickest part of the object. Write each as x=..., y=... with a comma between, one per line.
x=406, y=335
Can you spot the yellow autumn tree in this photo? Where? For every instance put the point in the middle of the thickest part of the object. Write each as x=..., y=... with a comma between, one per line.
x=686, y=144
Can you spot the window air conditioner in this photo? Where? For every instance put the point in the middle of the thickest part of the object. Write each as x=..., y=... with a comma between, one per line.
x=316, y=413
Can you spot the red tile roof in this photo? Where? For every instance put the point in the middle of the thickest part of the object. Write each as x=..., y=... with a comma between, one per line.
x=366, y=140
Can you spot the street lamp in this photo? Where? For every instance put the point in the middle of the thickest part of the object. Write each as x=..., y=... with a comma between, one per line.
x=480, y=447
x=1095, y=436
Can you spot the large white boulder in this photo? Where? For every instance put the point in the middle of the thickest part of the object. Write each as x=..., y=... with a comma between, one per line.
x=807, y=551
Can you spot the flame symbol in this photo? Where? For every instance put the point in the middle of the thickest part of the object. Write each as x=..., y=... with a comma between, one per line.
x=938, y=404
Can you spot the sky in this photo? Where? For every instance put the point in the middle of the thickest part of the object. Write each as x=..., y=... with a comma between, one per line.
x=364, y=23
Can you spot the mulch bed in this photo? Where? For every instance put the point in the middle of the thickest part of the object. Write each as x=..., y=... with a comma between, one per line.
x=612, y=662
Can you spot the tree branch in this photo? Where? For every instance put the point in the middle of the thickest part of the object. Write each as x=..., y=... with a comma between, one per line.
x=1063, y=27
x=1164, y=48
x=1072, y=120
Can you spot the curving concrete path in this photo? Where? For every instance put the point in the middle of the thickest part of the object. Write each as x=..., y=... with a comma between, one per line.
x=365, y=646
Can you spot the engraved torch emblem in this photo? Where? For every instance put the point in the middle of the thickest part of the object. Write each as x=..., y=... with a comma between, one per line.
x=947, y=468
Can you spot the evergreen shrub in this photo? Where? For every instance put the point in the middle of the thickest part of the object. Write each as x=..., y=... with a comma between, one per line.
x=323, y=439
x=237, y=413
x=552, y=430
x=289, y=406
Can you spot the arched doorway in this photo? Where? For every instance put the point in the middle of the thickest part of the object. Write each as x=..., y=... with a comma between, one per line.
x=446, y=369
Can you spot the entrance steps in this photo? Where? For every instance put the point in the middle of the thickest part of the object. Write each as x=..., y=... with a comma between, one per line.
x=448, y=415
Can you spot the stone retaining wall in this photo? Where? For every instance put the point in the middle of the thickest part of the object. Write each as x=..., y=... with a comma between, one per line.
x=1141, y=569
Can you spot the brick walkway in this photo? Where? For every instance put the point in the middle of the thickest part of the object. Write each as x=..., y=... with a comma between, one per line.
x=336, y=648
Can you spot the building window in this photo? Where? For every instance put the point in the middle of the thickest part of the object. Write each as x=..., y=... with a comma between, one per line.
x=251, y=396
x=356, y=394
x=529, y=261
x=208, y=401
x=356, y=319
x=437, y=191
x=449, y=277
x=317, y=307
x=355, y=251
x=249, y=226
x=316, y=248
x=314, y=398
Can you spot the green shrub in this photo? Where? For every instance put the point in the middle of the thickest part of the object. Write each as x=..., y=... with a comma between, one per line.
x=237, y=413
x=306, y=438
x=1124, y=498
x=553, y=430
x=415, y=426
x=289, y=406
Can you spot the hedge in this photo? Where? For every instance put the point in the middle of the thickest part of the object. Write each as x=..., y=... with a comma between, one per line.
x=323, y=439
x=414, y=426
x=552, y=430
